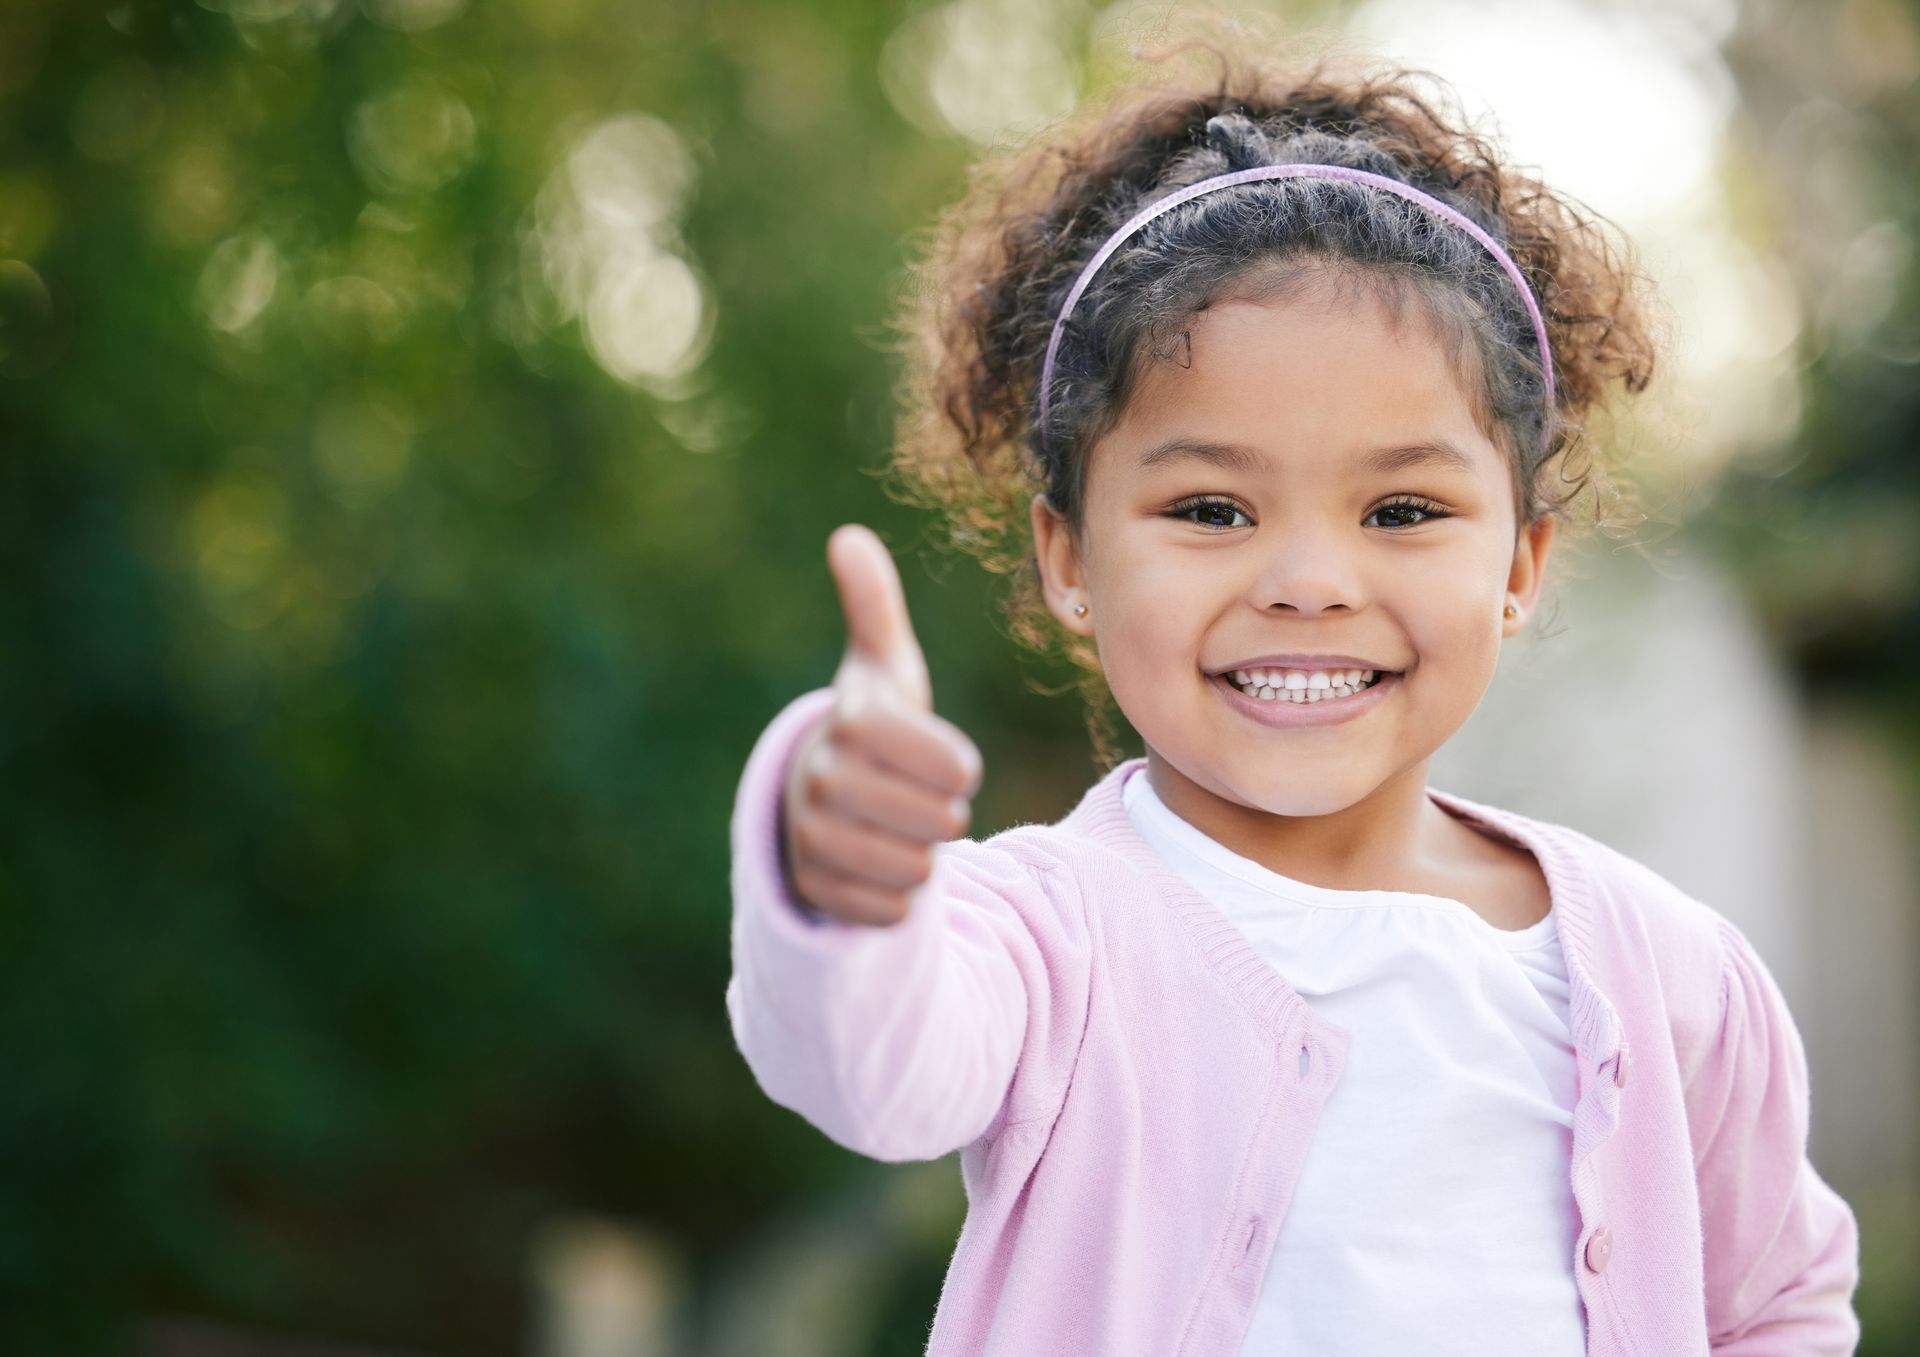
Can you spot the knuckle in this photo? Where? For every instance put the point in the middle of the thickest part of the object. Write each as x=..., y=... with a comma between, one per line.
x=956, y=772
x=963, y=755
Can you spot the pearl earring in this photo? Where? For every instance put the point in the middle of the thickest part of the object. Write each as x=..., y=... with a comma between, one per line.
x=1079, y=610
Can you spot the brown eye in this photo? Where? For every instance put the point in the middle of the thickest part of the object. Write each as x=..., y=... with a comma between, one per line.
x=1421, y=509
x=1216, y=508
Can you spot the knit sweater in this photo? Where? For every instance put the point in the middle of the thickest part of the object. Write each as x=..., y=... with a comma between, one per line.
x=1133, y=1090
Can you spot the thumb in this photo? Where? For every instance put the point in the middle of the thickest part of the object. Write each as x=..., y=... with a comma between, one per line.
x=883, y=656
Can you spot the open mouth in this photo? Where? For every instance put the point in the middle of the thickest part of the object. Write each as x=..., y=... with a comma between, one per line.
x=1271, y=686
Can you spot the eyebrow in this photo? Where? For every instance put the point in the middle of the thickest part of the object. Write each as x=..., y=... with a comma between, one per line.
x=1436, y=452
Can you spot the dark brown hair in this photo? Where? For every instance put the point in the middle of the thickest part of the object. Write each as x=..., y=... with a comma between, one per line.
x=982, y=299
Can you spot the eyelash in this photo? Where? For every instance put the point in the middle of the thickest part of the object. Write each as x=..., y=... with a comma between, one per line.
x=1425, y=506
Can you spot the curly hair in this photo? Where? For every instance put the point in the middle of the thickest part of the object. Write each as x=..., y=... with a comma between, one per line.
x=982, y=300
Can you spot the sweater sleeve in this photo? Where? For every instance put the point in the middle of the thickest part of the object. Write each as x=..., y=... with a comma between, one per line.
x=899, y=1041
x=1781, y=1246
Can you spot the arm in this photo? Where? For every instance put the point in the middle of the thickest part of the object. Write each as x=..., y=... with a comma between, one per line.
x=899, y=1041
x=1782, y=1247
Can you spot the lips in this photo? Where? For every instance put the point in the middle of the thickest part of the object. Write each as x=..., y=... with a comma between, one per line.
x=1285, y=715
x=1301, y=660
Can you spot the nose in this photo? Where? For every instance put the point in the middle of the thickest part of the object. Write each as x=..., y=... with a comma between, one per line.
x=1308, y=570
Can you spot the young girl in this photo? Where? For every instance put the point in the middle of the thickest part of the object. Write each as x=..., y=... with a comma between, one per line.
x=1268, y=1046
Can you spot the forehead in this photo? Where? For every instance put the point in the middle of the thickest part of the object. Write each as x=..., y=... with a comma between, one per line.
x=1322, y=378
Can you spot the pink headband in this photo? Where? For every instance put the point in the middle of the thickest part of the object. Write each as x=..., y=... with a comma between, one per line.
x=1407, y=191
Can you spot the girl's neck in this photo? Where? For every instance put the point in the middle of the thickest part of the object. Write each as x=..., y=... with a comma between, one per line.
x=1396, y=838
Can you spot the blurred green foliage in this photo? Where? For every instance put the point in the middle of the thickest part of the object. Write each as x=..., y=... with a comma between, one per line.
x=379, y=668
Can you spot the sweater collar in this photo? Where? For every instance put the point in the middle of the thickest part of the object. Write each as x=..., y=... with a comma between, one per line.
x=1101, y=815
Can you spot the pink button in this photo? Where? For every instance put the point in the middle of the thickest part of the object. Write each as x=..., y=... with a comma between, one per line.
x=1620, y=1065
x=1599, y=1249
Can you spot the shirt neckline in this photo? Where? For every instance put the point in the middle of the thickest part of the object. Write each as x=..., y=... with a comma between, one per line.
x=1272, y=1002
x=1139, y=793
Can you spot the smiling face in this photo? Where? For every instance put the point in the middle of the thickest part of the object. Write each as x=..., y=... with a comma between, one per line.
x=1267, y=499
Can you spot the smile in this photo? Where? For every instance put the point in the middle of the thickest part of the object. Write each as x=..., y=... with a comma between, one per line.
x=1291, y=685
x=1292, y=708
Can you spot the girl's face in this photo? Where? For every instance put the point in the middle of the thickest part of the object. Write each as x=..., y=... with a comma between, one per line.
x=1348, y=506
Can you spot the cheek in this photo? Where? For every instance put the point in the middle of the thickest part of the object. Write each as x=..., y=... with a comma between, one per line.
x=1151, y=621
x=1149, y=591
x=1135, y=635
x=1454, y=611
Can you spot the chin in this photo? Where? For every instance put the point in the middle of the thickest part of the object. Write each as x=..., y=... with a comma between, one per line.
x=1296, y=795
x=1308, y=802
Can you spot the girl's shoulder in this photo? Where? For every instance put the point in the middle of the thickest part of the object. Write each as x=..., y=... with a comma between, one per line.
x=1607, y=887
x=1624, y=891
x=1637, y=925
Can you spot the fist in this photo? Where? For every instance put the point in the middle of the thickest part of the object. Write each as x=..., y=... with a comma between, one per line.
x=881, y=780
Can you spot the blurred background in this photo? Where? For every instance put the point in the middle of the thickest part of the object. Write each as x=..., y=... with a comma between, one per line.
x=421, y=422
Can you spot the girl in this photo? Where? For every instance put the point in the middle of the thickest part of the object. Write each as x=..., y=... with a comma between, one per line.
x=1267, y=1046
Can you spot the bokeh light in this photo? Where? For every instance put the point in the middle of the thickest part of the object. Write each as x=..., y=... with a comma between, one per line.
x=424, y=420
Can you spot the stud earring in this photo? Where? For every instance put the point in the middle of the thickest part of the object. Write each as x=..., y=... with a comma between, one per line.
x=1079, y=610
x=1512, y=611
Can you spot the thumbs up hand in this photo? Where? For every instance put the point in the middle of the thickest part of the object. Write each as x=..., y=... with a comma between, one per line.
x=881, y=779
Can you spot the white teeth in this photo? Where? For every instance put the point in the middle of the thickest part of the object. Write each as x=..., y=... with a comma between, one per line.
x=1294, y=685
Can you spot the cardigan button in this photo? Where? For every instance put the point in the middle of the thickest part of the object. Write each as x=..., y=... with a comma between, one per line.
x=1620, y=1065
x=1599, y=1249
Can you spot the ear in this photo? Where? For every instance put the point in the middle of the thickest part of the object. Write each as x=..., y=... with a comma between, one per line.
x=1063, y=577
x=1528, y=572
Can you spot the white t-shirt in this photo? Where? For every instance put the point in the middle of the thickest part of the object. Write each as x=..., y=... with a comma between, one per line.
x=1435, y=1211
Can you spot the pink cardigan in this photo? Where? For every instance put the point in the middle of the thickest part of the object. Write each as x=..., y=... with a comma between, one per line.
x=1132, y=1089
